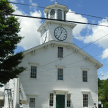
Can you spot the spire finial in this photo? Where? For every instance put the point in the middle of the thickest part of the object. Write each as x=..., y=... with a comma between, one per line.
x=56, y=2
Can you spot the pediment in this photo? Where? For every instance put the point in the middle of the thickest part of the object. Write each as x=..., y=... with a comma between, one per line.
x=68, y=46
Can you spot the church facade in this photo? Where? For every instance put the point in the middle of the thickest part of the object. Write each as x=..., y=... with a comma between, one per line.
x=58, y=73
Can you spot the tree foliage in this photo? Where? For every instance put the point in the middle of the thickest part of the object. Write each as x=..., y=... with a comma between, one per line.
x=9, y=38
x=103, y=92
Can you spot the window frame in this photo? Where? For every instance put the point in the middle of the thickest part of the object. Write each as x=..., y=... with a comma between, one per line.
x=86, y=106
x=58, y=14
x=34, y=101
x=52, y=15
x=60, y=52
x=85, y=77
x=59, y=75
x=52, y=100
x=31, y=73
x=69, y=101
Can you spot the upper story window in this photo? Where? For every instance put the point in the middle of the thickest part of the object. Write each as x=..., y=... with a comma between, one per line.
x=60, y=74
x=33, y=72
x=59, y=14
x=60, y=52
x=52, y=14
x=85, y=100
x=32, y=103
x=84, y=76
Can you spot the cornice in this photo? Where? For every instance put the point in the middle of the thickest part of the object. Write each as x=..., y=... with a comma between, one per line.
x=63, y=23
x=55, y=6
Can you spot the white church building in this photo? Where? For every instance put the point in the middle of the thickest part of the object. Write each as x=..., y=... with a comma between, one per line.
x=58, y=73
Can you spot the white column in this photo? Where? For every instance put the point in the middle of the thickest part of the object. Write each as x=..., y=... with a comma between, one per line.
x=55, y=13
x=49, y=13
x=62, y=15
x=54, y=100
x=66, y=100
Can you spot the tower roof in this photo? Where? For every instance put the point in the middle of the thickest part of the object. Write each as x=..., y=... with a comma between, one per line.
x=56, y=6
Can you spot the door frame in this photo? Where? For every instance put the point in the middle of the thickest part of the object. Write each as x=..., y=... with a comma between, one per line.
x=60, y=92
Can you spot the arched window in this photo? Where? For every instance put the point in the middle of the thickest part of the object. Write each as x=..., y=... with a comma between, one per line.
x=52, y=14
x=59, y=14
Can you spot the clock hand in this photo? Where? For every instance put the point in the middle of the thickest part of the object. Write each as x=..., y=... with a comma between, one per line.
x=60, y=33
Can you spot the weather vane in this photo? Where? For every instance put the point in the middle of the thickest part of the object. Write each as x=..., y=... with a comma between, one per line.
x=56, y=1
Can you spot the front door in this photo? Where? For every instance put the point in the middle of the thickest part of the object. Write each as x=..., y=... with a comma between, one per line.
x=60, y=101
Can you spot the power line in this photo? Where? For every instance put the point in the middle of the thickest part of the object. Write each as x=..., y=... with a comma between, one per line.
x=57, y=20
x=50, y=8
x=84, y=59
x=77, y=51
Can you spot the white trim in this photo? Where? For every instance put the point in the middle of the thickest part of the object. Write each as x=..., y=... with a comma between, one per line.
x=60, y=66
x=60, y=91
x=32, y=94
x=33, y=63
x=85, y=91
x=85, y=68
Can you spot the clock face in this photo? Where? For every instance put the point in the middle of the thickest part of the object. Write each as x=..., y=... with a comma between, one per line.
x=60, y=33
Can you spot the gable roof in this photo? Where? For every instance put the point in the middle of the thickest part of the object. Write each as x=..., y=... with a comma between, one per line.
x=69, y=45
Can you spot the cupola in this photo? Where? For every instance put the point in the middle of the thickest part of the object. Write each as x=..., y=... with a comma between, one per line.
x=56, y=11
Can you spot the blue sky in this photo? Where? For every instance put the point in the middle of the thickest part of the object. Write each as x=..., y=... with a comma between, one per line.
x=82, y=34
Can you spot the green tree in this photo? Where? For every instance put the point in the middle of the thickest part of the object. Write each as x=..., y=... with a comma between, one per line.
x=9, y=38
x=103, y=92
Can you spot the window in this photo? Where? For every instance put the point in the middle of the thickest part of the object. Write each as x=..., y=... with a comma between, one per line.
x=52, y=14
x=59, y=14
x=60, y=52
x=68, y=100
x=60, y=74
x=32, y=103
x=51, y=99
x=33, y=71
x=84, y=76
x=85, y=100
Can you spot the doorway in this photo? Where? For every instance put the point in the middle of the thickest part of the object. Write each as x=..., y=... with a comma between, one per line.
x=60, y=101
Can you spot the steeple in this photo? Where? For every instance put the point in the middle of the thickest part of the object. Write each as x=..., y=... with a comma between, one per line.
x=53, y=29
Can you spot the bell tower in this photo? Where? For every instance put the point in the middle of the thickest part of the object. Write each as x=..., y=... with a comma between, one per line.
x=59, y=29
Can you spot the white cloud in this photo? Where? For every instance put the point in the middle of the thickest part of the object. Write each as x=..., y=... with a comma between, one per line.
x=105, y=54
x=29, y=28
x=52, y=0
x=101, y=33
x=93, y=32
x=98, y=32
x=71, y=16
x=33, y=4
x=13, y=0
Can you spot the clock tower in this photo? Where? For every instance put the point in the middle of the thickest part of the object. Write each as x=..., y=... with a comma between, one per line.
x=59, y=29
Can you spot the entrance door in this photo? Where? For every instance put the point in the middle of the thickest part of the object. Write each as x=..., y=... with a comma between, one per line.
x=60, y=101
